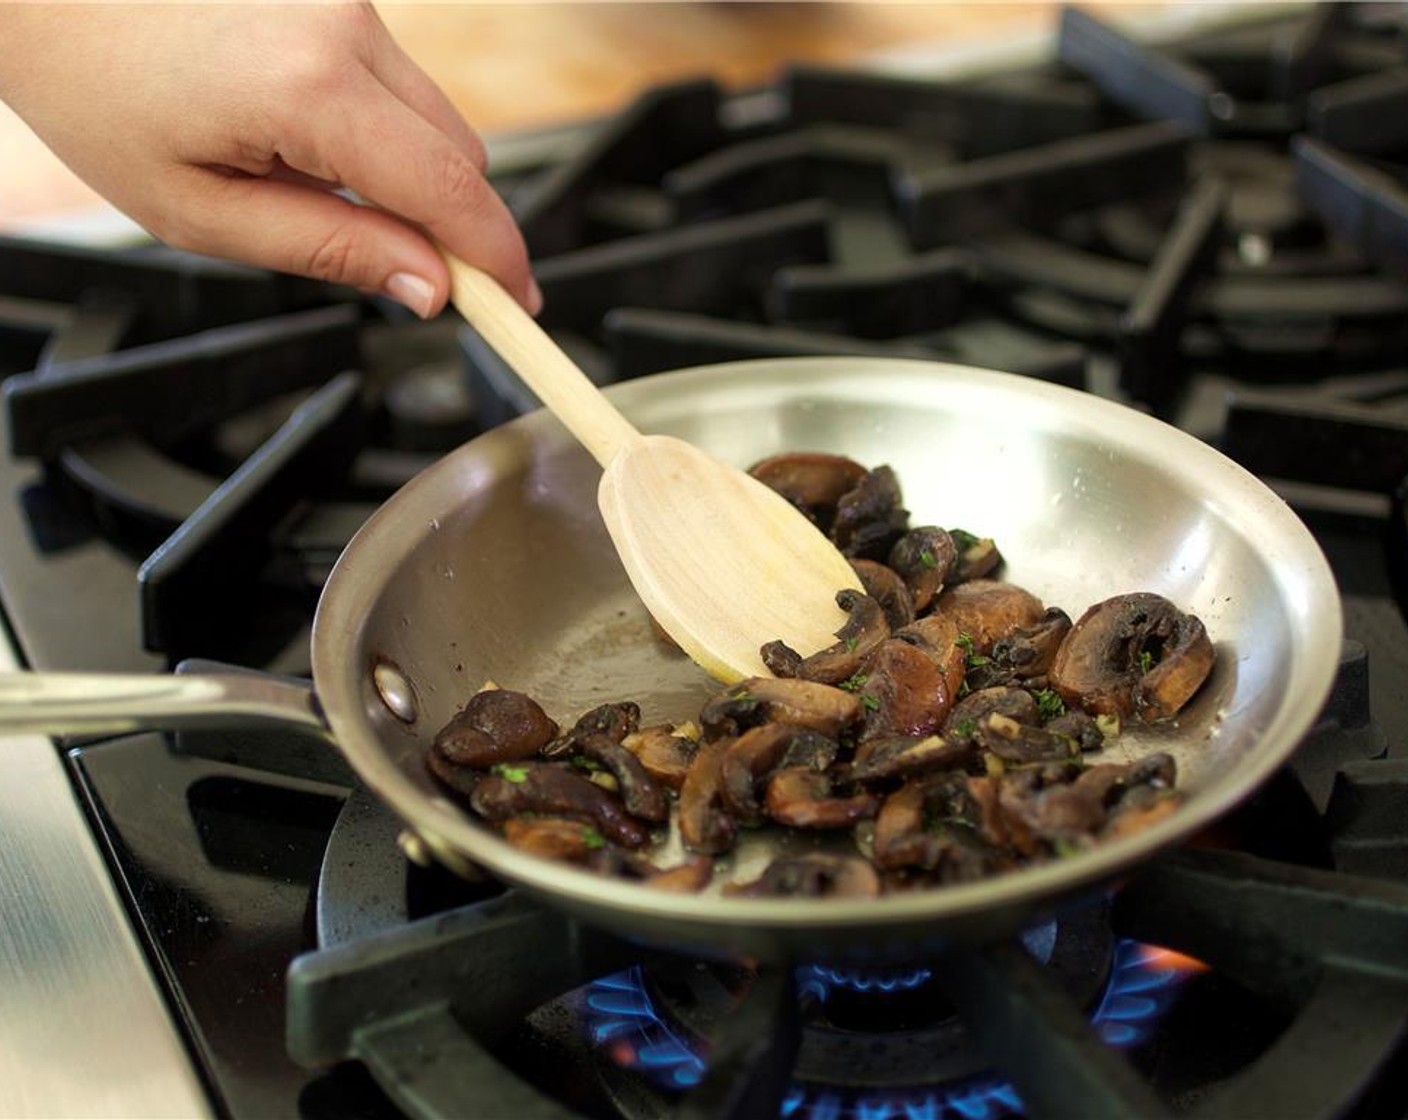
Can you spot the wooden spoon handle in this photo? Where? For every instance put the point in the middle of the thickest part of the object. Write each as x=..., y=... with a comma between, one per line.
x=567, y=392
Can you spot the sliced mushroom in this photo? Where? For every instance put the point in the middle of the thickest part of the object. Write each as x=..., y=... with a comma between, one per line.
x=548, y=789
x=611, y=721
x=870, y=518
x=751, y=759
x=1025, y=655
x=813, y=482
x=497, y=725
x=1134, y=654
x=1014, y=703
x=1021, y=742
x=689, y=877
x=815, y=875
x=1079, y=727
x=977, y=556
x=664, y=754
x=759, y=700
x=887, y=587
x=908, y=756
x=910, y=686
x=705, y=824
x=985, y=610
x=641, y=796
x=805, y=798
x=865, y=628
x=924, y=557
x=932, y=824
x=553, y=838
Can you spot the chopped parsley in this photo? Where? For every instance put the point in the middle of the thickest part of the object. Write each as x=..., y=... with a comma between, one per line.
x=965, y=728
x=928, y=559
x=855, y=683
x=964, y=641
x=963, y=540
x=514, y=774
x=851, y=644
x=592, y=838
x=1049, y=704
x=1146, y=660
x=582, y=762
x=870, y=703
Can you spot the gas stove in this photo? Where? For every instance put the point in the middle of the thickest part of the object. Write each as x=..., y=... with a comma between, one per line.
x=1210, y=227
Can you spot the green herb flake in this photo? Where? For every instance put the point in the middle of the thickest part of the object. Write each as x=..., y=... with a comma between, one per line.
x=592, y=838
x=855, y=683
x=1146, y=661
x=964, y=641
x=964, y=540
x=1049, y=704
x=514, y=774
x=974, y=660
x=928, y=559
x=1064, y=848
x=851, y=644
x=582, y=762
x=965, y=728
x=870, y=703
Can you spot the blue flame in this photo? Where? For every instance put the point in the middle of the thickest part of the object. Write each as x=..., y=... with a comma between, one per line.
x=1137, y=993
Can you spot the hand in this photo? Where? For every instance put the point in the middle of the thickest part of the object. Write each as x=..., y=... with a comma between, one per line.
x=226, y=130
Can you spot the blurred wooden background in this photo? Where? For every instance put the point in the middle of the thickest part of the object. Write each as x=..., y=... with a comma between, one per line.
x=510, y=66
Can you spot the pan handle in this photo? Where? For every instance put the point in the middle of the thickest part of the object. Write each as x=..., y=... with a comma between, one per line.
x=116, y=703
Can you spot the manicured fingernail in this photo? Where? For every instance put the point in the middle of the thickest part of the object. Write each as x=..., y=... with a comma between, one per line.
x=415, y=292
x=535, y=297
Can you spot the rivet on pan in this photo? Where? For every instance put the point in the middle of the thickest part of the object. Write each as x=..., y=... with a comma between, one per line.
x=414, y=848
x=395, y=691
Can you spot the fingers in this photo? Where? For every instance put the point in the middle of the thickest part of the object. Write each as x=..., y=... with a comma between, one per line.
x=294, y=227
x=396, y=159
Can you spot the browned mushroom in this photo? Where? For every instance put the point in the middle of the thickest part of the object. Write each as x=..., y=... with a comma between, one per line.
x=641, y=796
x=664, y=753
x=815, y=875
x=908, y=756
x=548, y=789
x=751, y=759
x=1134, y=654
x=758, y=700
x=912, y=681
x=1023, y=656
x=1014, y=703
x=977, y=556
x=497, y=725
x=870, y=517
x=688, y=877
x=885, y=585
x=865, y=628
x=1021, y=742
x=612, y=721
x=804, y=798
x=553, y=837
x=924, y=558
x=705, y=825
x=986, y=610
x=812, y=481
x=932, y=824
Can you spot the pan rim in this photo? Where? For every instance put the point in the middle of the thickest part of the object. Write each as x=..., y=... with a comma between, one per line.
x=441, y=824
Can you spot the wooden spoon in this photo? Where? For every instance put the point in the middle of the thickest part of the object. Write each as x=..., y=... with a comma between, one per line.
x=722, y=562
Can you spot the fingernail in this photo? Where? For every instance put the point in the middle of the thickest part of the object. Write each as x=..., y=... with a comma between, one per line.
x=415, y=292
x=535, y=297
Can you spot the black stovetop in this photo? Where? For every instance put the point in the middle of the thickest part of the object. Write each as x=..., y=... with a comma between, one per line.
x=1213, y=230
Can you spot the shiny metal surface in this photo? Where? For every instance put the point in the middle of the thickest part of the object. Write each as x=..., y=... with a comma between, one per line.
x=85, y=1030
x=493, y=565
x=116, y=703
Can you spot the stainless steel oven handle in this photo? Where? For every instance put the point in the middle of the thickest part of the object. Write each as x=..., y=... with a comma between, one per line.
x=117, y=703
